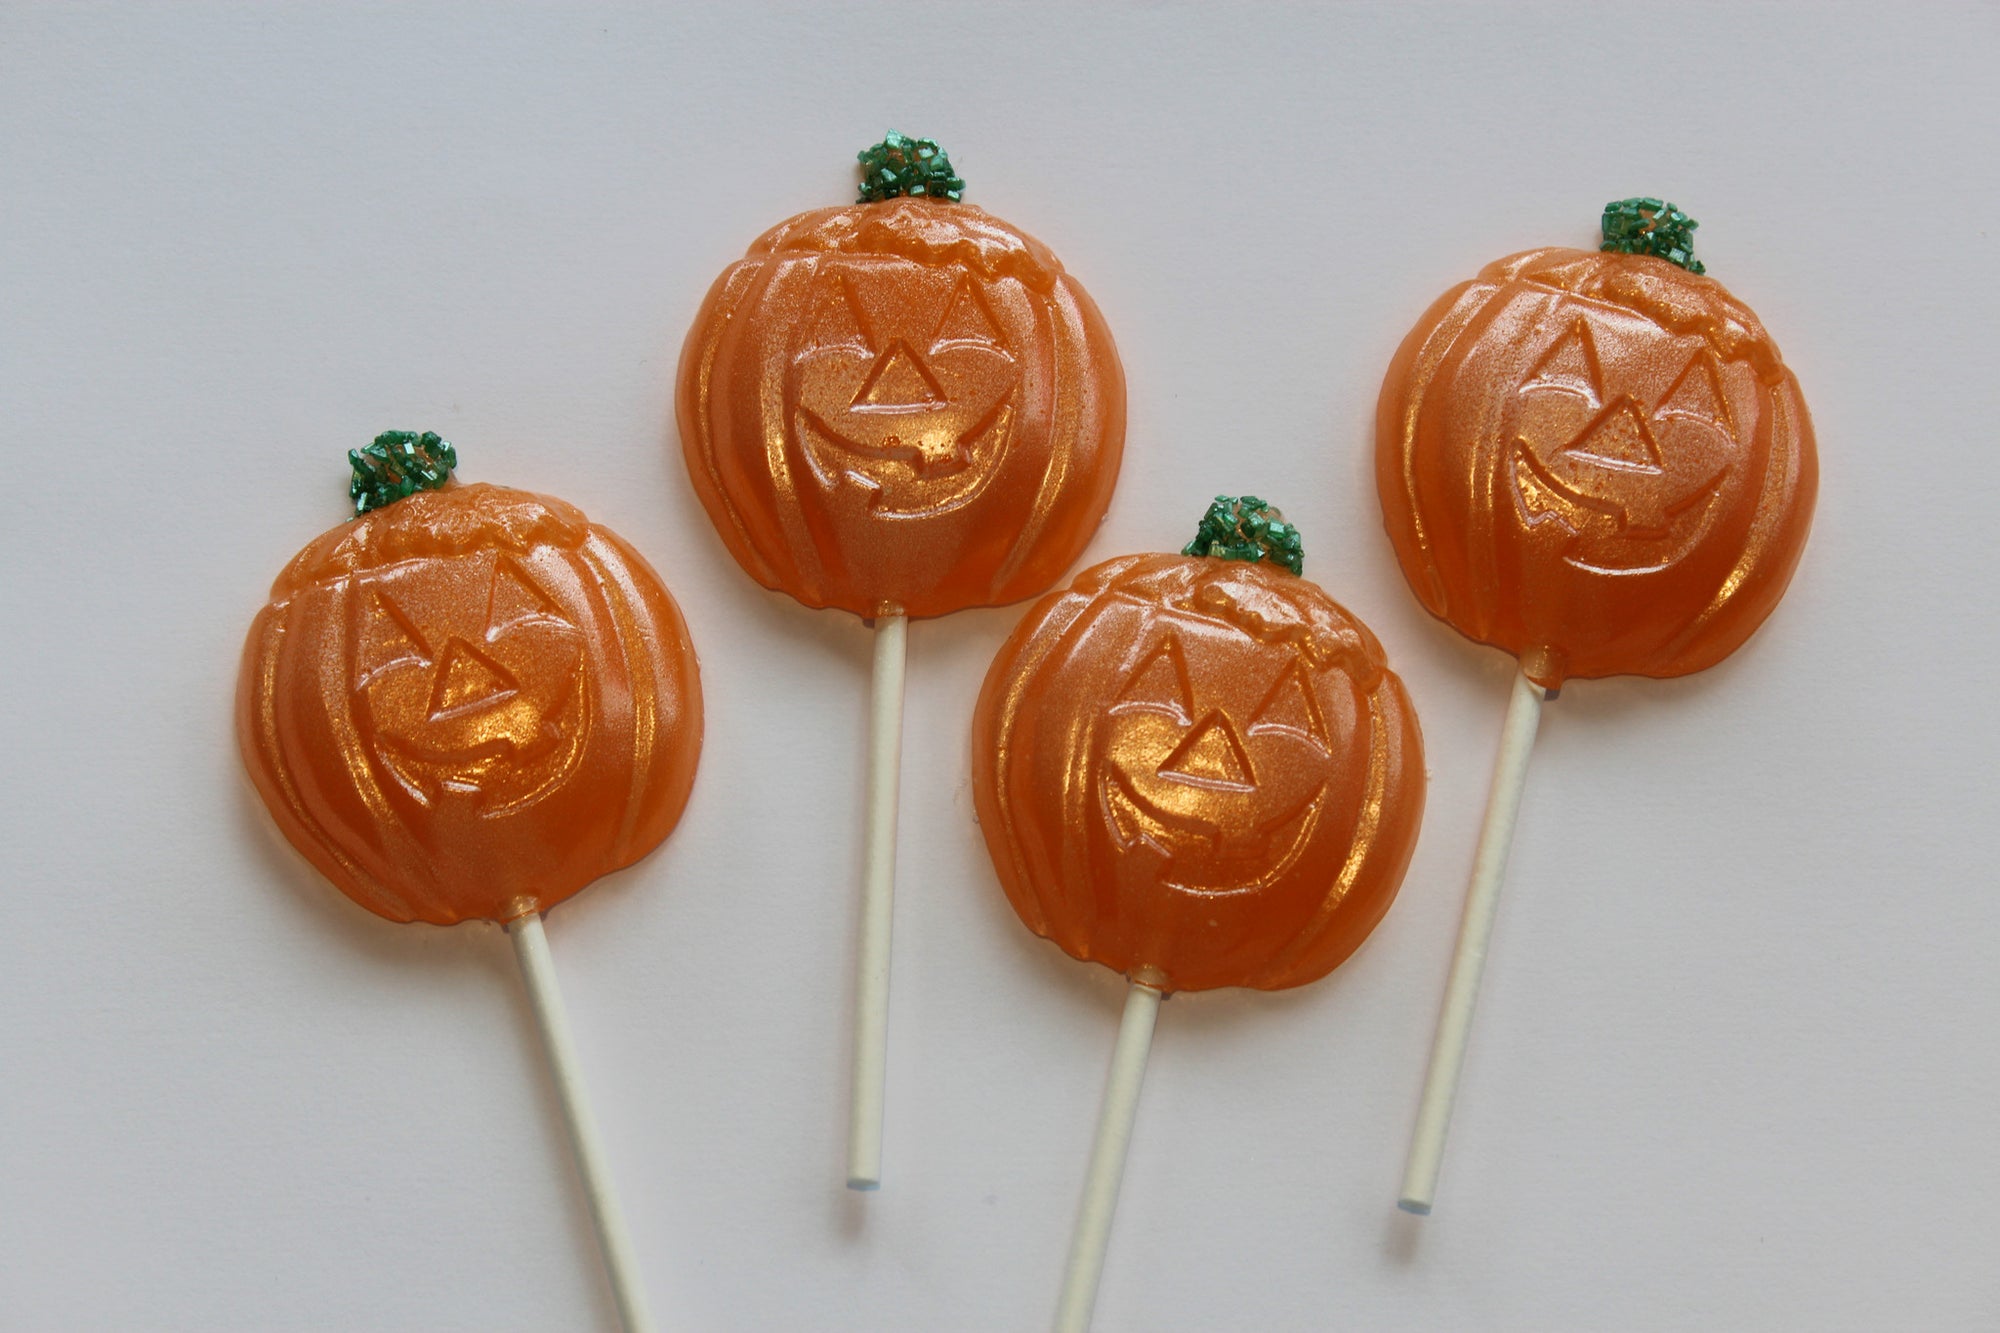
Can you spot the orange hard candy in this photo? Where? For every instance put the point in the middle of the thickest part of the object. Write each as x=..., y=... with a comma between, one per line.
x=901, y=406
x=1596, y=461
x=1199, y=772
x=469, y=704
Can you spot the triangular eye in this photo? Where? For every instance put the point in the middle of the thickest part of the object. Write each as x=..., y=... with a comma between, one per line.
x=1161, y=682
x=1291, y=708
x=967, y=319
x=1698, y=394
x=837, y=321
x=515, y=597
x=388, y=637
x=1571, y=364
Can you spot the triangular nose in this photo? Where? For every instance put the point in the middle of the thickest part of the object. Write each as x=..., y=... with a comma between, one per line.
x=1618, y=437
x=898, y=382
x=467, y=678
x=1212, y=755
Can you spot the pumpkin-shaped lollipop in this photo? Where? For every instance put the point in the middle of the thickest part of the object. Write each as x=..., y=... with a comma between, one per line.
x=901, y=407
x=465, y=705
x=1597, y=461
x=1199, y=771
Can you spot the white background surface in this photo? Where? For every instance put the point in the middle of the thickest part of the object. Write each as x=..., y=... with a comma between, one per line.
x=1736, y=1066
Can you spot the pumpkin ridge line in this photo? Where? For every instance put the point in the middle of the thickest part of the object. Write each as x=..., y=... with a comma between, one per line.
x=271, y=762
x=1459, y=313
x=695, y=408
x=1050, y=348
x=640, y=684
x=350, y=745
x=1367, y=822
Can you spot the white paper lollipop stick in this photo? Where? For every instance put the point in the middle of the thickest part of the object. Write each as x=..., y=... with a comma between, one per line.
x=531, y=946
x=1107, y=1159
x=1461, y=991
x=878, y=893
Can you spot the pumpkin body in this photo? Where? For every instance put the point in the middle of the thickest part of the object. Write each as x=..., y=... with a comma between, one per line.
x=1198, y=772
x=469, y=704
x=904, y=405
x=1597, y=462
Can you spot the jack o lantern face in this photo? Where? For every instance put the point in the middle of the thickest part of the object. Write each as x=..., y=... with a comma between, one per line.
x=901, y=406
x=472, y=679
x=1630, y=460
x=1597, y=462
x=1220, y=803
x=1198, y=772
x=904, y=387
x=469, y=704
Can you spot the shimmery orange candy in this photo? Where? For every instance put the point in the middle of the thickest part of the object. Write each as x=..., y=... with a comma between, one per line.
x=469, y=704
x=904, y=405
x=1198, y=772
x=1597, y=462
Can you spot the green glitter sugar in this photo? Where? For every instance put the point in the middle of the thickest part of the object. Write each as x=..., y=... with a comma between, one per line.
x=900, y=165
x=397, y=465
x=1245, y=528
x=1651, y=227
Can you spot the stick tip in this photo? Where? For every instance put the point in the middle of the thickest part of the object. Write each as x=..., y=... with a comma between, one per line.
x=864, y=1184
x=1421, y=1207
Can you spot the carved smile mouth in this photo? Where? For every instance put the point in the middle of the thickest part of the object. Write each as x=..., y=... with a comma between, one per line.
x=917, y=461
x=1651, y=531
x=1135, y=820
x=506, y=753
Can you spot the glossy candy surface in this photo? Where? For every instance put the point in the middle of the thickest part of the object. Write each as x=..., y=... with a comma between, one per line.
x=1596, y=461
x=901, y=405
x=469, y=704
x=1198, y=772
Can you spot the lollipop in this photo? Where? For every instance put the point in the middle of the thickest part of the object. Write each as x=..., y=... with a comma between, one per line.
x=899, y=408
x=466, y=705
x=1596, y=461
x=1198, y=771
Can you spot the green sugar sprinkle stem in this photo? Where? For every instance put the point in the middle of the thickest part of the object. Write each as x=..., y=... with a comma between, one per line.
x=1245, y=528
x=1651, y=227
x=900, y=165
x=397, y=465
